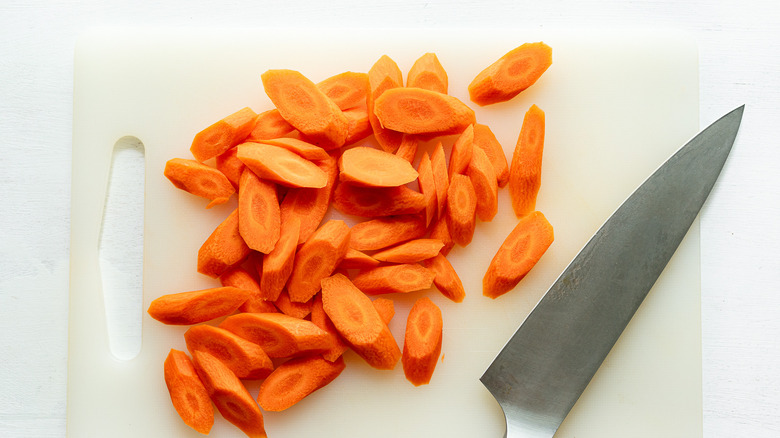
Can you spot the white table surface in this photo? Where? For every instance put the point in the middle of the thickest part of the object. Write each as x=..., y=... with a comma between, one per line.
x=739, y=43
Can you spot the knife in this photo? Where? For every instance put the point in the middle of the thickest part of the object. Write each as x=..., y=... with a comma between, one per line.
x=546, y=365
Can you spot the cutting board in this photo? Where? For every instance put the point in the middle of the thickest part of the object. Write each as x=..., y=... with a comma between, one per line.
x=617, y=105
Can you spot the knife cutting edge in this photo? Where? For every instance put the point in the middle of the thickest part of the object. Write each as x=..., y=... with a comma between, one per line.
x=545, y=366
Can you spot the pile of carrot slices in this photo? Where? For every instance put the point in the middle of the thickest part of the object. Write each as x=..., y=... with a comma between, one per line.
x=295, y=290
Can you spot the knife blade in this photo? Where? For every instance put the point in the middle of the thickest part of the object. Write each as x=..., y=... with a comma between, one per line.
x=545, y=366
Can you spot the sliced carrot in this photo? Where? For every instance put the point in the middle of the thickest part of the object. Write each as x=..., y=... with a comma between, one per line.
x=460, y=156
x=410, y=252
x=446, y=280
x=223, y=134
x=487, y=141
x=377, y=201
x=229, y=395
x=305, y=107
x=294, y=309
x=385, y=308
x=366, y=166
x=279, y=335
x=427, y=72
x=188, y=395
x=259, y=220
x=246, y=359
x=520, y=252
x=198, y=306
x=355, y=259
x=440, y=178
x=346, y=90
x=358, y=125
x=408, y=147
x=321, y=320
x=282, y=166
x=200, y=180
x=422, y=341
x=483, y=178
x=427, y=186
x=241, y=278
x=512, y=73
x=317, y=258
x=382, y=76
x=278, y=264
x=295, y=379
x=461, y=209
x=359, y=323
x=230, y=166
x=304, y=149
x=269, y=124
x=383, y=232
x=525, y=172
x=420, y=111
x=441, y=231
x=309, y=206
x=223, y=249
x=402, y=278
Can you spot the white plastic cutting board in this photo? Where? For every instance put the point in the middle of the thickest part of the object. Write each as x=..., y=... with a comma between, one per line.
x=617, y=105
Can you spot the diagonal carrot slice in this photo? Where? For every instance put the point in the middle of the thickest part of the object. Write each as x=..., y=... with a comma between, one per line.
x=188, y=395
x=259, y=220
x=223, y=135
x=422, y=341
x=400, y=278
x=366, y=166
x=279, y=335
x=281, y=165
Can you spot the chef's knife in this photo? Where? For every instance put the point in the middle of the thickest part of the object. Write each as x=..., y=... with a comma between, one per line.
x=542, y=370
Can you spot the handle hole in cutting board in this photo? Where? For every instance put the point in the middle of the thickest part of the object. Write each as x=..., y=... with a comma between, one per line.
x=121, y=248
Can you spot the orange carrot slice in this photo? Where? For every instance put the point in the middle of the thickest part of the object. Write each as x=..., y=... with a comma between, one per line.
x=410, y=252
x=382, y=76
x=461, y=209
x=446, y=280
x=359, y=323
x=385, y=308
x=422, y=341
x=408, y=148
x=321, y=320
x=304, y=149
x=317, y=258
x=306, y=107
x=377, y=201
x=483, y=178
x=427, y=185
x=366, y=166
x=241, y=278
x=355, y=259
x=520, y=252
x=223, y=249
x=259, y=220
x=428, y=73
x=440, y=178
x=346, y=90
x=198, y=306
x=487, y=141
x=278, y=264
x=188, y=395
x=200, y=180
x=525, y=172
x=510, y=74
x=295, y=379
x=269, y=124
x=230, y=166
x=223, y=134
x=280, y=165
x=229, y=395
x=279, y=335
x=420, y=111
x=402, y=278
x=246, y=359
x=291, y=308
x=383, y=232
x=440, y=230
x=309, y=206
x=358, y=125
x=460, y=156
